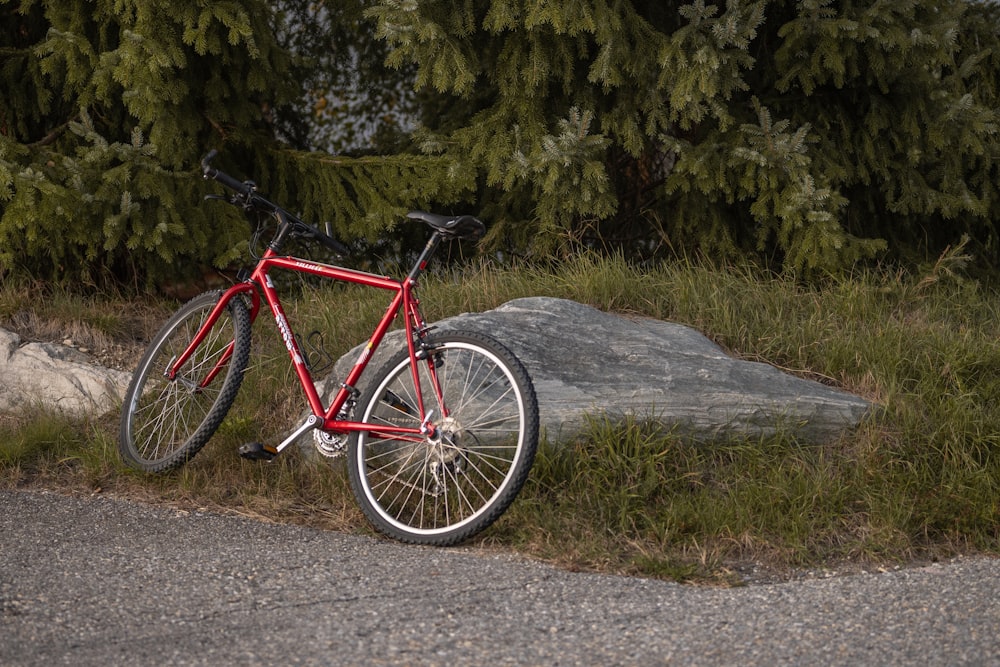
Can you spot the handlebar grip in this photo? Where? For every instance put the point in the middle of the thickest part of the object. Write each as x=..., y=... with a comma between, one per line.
x=205, y=161
x=222, y=177
x=246, y=188
x=333, y=244
x=327, y=240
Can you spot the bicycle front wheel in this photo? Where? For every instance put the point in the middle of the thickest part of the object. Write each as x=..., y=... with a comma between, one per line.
x=167, y=421
x=447, y=486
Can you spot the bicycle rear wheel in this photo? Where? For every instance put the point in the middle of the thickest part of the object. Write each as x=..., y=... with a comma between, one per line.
x=165, y=422
x=443, y=488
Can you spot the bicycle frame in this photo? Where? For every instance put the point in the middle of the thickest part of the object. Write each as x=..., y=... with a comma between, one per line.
x=324, y=418
x=422, y=471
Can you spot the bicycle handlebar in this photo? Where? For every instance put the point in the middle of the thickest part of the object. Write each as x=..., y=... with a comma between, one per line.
x=247, y=192
x=210, y=172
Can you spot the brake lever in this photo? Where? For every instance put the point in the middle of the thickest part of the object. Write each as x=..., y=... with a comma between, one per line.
x=234, y=199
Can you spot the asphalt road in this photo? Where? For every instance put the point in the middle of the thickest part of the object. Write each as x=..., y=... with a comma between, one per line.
x=97, y=581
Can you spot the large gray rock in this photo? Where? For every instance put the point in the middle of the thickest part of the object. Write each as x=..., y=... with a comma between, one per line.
x=586, y=363
x=55, y=377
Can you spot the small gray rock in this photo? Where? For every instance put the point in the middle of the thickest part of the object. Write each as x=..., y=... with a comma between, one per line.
x=55, y=376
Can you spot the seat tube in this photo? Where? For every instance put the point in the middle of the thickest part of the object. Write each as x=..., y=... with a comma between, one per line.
x=413, y=324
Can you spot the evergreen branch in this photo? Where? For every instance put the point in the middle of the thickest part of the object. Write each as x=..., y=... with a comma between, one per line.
x=218, y=128
x=54, y=134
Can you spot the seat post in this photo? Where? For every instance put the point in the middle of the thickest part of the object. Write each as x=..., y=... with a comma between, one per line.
x=425, y=255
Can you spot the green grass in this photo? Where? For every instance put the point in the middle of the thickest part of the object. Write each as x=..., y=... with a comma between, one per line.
x=920, y=480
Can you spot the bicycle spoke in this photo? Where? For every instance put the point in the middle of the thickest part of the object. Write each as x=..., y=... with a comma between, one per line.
x=164, y=421
x=472, y=461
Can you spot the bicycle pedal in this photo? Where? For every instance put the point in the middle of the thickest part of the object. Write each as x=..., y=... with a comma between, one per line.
x=255, y=451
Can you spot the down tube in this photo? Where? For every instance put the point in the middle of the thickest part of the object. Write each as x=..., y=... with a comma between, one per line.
x=288, y=338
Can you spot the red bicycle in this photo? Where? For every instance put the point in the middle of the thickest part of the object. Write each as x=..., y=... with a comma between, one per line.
x=439, y=443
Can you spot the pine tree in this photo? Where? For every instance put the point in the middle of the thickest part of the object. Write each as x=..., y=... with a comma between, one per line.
x=106, y=103
x=106, y=108
x=814, y=132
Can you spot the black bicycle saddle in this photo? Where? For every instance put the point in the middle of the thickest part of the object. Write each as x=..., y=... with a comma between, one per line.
x=458, y=226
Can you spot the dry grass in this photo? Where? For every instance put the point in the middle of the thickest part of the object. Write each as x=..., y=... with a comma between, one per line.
x=920, y=481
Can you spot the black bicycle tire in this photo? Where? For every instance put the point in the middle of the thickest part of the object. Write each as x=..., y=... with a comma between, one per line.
x=177, y=455
x=514, y=478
